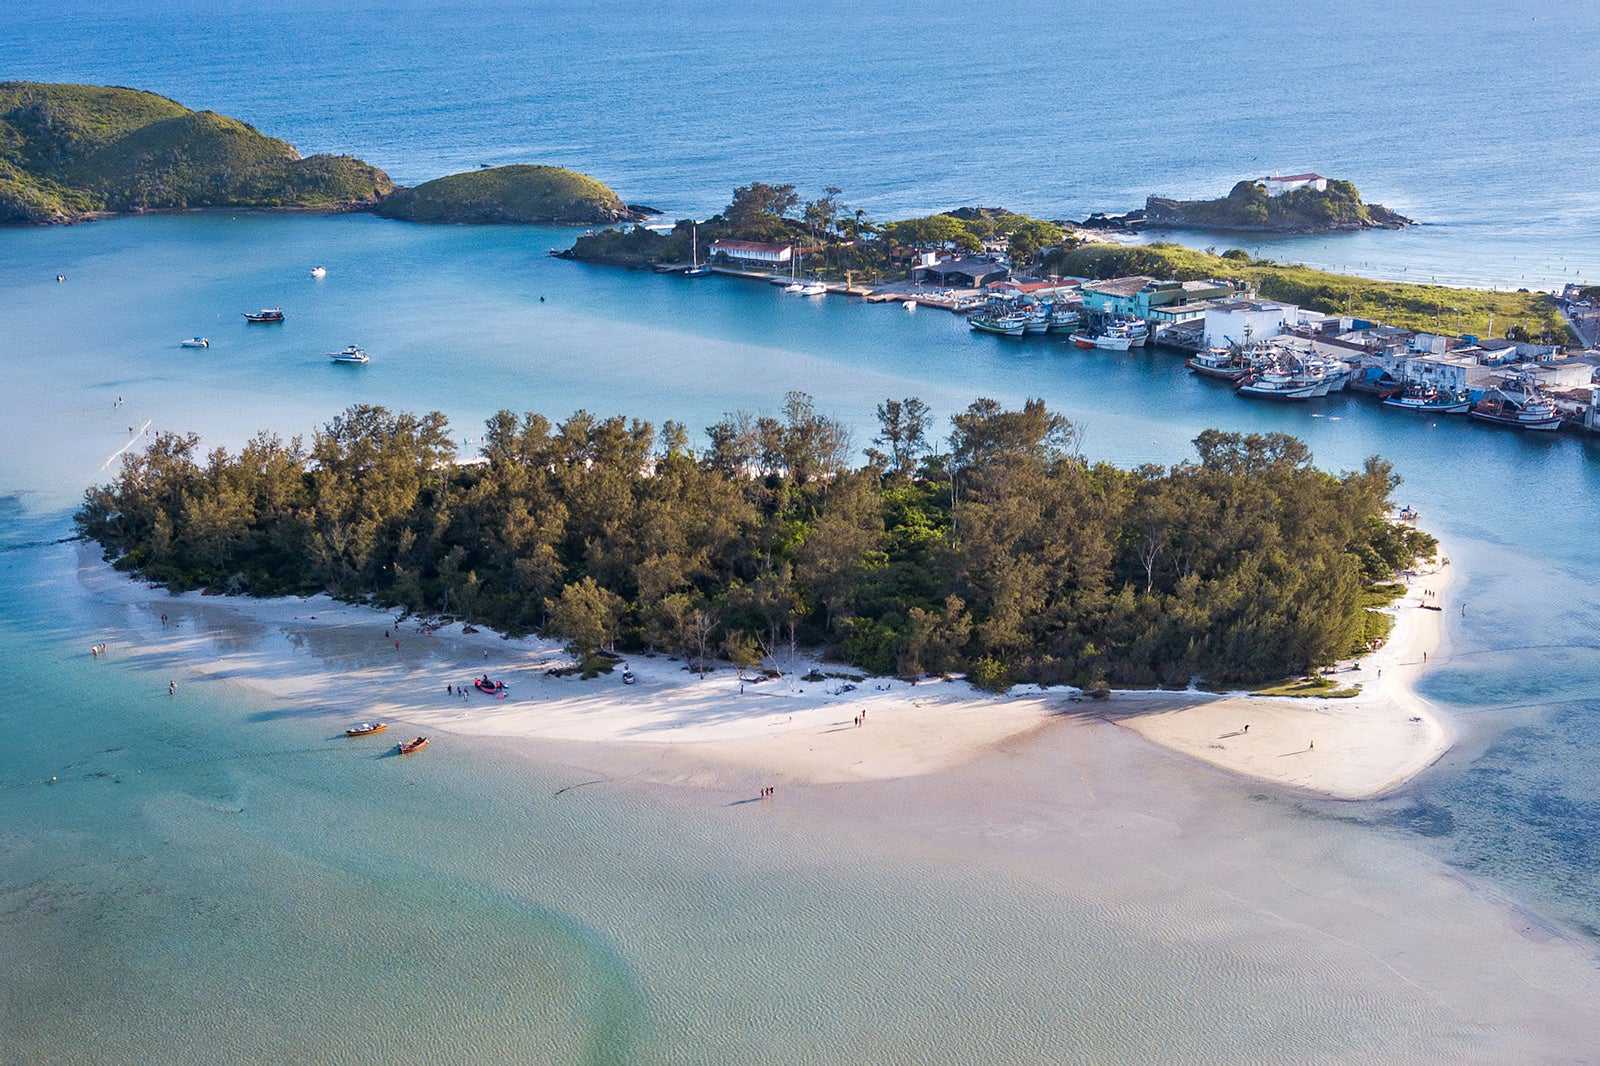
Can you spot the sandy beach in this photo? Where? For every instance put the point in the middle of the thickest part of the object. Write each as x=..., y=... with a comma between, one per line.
x=350, y=662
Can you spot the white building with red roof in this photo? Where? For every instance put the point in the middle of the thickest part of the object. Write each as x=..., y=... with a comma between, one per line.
x=1278, y=184
x=755, y=253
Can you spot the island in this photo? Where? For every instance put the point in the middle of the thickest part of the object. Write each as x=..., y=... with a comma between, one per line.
x=75, y=152
x=1297, y=203
x=1005, y=555
x=520, y=193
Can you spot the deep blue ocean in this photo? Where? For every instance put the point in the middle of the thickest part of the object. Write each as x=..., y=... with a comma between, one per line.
x=1474, y=117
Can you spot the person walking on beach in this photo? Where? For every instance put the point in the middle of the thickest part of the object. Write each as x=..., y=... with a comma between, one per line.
x=1313, y=746
x=1247, y=727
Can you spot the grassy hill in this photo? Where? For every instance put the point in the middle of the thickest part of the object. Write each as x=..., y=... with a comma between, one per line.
x=1248, y=207
x=1422, y=307
x=519, y=193
x=70, y=151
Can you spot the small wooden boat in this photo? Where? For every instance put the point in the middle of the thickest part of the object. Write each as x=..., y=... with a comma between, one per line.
x=265, y=315
x=414, y=744
x=366, y=729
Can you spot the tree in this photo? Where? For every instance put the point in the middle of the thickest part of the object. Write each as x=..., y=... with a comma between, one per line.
x=819, y=214
x=933, y=230
x=759, y=206
x=586, y=615
x=903, y=429
x=1029, y=236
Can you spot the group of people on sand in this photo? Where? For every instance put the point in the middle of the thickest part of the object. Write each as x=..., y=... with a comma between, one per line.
x=766, y=793
x=861, y=719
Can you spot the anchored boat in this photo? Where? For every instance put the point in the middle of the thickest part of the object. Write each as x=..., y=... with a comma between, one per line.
x=412, y=745
x=366, y=729
x=351, y=354
x=195, y=342
x=1221, y=363
x=1519, y=403
x=265, y=315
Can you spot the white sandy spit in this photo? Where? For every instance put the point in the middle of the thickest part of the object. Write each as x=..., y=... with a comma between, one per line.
x=319, y=655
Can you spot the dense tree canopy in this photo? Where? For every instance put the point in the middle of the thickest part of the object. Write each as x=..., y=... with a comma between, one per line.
x=1008, y=554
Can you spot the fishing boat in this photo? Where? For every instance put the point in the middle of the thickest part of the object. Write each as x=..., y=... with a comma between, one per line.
x=351, y=354
x=1063, y=319
x=1281, y=381
x=319, y=272
x=195, y=342
x=1519, y=403
x=366, y=729
x=995, y=320
x=1083, y=338
x=1221, y=363
x=1138, y=333
x=265, y=315
x=814, y=288
x=1037, y=319
x=1428, y=400
x=413, y=745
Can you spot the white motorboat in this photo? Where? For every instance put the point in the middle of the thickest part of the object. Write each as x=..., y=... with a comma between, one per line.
x=195, y=342
x=351, y=354
x=793, y=288
x=319, y=271
x=815, y=288
x=909, y=305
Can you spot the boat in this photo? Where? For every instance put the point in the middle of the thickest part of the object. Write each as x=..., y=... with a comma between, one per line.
x=1428, y=400
x=1007, y=323
x=351, y=354
x=909, y=305
x=319, y=271
x=793, y=288
x=195, y=342
x=1138, y=333
x=1277, y=381
x=1063, y=319
x=814, y=288
x=1519, y=403
x=1220, y=363
x=695, y=268
x=265, y=315
x=628, y=678
x=1083, y=338
x=412, y=745
x=366, y=729
x=1118, y=337
x=1037, y=320
x=489, y=688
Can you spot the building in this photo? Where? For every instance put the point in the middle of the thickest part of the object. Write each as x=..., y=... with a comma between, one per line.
x=1278, y=184
x=753, y=255
x=1114, y=296
x=1041, y=288
x=968, y=272
x=1455, y=371
x=1241, y=322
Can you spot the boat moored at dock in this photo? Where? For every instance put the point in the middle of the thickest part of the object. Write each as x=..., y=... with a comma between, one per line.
x=1428, y=400
x=1517, y=402
x=1224, y=364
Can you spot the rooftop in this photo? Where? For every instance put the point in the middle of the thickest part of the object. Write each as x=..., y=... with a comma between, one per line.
x=1118, y=286
x=1296, y=177
x=747, y=246
x=1251, y=305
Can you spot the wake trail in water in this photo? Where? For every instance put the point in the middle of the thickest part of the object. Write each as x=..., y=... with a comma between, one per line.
x=131, y=442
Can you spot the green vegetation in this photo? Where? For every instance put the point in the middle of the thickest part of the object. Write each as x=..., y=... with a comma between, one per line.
x=1521, y=315
x=838, y=242
x=1308, y=687
x=1248, y=207
x=1006, y=554
x=70, y=151
x=521, y=193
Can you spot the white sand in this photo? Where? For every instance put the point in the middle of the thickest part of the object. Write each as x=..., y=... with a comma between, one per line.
x=1352, y=748
x=321, y=656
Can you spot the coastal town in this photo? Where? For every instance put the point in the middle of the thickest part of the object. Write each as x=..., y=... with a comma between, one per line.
x=1263, y=348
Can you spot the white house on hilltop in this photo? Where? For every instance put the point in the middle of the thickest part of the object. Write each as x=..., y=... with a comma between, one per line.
x=1279, y=184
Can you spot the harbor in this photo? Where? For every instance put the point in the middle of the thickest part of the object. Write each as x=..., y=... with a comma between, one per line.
x=1264, y=349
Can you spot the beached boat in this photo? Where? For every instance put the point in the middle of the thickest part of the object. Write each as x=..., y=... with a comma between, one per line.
x=319, y=272
x=412, y=745
x=195, y=342
x=366, y=729
x=1519, y=403
x=265, y=315
x=1221, y=363
x=488, y=687
x=351, y=354
x=1428, y=400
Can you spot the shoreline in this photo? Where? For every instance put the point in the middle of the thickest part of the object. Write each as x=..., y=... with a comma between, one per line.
x=322, y=658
